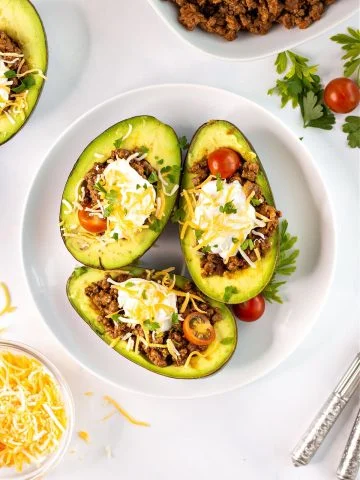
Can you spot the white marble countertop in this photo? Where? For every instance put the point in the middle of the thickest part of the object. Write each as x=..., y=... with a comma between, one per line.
x=101, y=48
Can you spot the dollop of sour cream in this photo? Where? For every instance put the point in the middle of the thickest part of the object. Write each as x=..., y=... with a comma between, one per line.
x=222, y=230
x=135, y=198
x=144, y=300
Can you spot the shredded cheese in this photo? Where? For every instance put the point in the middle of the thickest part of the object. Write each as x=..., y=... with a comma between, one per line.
x=88, y=394
x=123, y=412
x=84, y=436
x=32, y=414
x=8, y=308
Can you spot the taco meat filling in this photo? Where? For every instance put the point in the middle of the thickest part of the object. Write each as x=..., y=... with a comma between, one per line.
x=258, y=241
x=228, y=17
x=104, y=297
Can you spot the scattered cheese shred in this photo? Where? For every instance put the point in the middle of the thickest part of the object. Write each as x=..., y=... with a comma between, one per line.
x=124, y=413
x=114, y=342
x=88, y=394
x=32, y=413
x=8, y=308
x=108, y=451
x=84, y=436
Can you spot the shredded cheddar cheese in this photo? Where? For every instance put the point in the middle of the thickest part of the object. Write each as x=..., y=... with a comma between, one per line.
x=8, y=308
x=32, y=414
x=123, y=412
x=84, y=436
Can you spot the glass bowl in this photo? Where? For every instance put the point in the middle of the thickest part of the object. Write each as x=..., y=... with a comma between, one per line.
x=34, y=471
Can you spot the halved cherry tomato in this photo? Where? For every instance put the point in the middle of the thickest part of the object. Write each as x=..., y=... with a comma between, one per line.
x=224, y=162
x=198, y=329
x=342, y=95
x=91, y=223
x=250, y=310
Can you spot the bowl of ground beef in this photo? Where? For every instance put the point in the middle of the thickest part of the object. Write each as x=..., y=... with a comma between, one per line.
x=251, y=29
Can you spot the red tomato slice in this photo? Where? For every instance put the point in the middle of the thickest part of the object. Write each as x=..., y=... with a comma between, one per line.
x=92, y=223
x=198, y=329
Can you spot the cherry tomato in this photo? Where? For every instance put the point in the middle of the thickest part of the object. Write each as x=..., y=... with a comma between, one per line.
x=250, y=310
x=342, y=95
x=198, y=329
x=93, y=224
x=224, y=162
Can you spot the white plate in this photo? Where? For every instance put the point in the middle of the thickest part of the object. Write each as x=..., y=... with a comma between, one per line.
x=299, y=192
x=248, y=46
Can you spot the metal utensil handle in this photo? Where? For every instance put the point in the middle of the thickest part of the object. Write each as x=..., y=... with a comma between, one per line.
x=319, y=428
x=350, y=460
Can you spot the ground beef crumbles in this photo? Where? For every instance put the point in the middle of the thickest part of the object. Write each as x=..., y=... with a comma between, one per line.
x=103, y=296
x=228, y=17
x=212, y=263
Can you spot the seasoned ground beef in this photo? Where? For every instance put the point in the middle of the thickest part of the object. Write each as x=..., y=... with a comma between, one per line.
x=212, y=263
x=104, y=299
x=227, y=17
x=91, y=197
x=19, y=65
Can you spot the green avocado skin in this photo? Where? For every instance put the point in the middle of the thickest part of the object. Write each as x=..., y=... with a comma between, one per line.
x=247, y=283
x=163, y=145
x=20, y=20
x=225, y=328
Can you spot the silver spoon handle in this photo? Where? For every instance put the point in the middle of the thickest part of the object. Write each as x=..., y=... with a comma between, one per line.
x=350, y=460
x=319, y=428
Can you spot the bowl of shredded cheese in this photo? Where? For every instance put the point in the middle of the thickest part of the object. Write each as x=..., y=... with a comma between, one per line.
x=36, y=413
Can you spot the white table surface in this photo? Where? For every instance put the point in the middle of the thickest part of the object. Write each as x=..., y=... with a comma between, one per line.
x=101, y=48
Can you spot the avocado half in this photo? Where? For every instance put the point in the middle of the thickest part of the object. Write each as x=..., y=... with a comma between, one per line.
x=21, y=22
x=162, y=143
x=248, y=282
x=199, y=367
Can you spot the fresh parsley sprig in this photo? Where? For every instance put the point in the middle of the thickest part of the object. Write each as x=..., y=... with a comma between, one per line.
x=352, y=128
x=302, y=87
x=285, y=265
x=351, y=45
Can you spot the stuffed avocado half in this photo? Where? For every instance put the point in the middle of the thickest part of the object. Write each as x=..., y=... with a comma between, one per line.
x=228, y=221
x=120, y=193
x=156, y=319
x=23, y=64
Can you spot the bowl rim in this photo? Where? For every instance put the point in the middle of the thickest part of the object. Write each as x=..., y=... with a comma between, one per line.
x=53, y=459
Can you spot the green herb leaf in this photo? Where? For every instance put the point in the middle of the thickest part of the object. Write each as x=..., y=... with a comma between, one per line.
x=79, y=271
x=151, y=325
x=352, y=128
x=115, y=317
x=255, y=202
x=228, y=208
x=183, y=143
x=228, y=292
x=118, y=143
x=28, y=81
x=219, y=183
x=165, y=169
x=100, y=188
x=235, y=240
x=281, y=62
x=175, y=318
x=19, y=89
x=351, y=46
x=10, y=74
x=285, y=265
x=115, y=236
x=198, y=234
x=153, y=177
x=137, y=187
x=129, y=284
x=227, y=341
x=206, y=249
x=108, y=211
x=161, y=161
x=155, y=225
x=178, y=215
x=315, y=113
x=111, y=196
x=143, y=149
x=145, y=186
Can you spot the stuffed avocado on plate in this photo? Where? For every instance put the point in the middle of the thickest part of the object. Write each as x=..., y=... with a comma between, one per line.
x=120, y=193
x=156, y=319
x=23, y=64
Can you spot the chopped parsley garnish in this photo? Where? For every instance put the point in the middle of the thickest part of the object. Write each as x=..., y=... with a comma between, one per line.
x=19, y=89
x=111, y=196
x=115, y=317
x=118, y=142
x=165, y=169
x=10, y=74
x=198, y=234
x=25, y=84
x=301, y=139
x=351, y=45
x=228, y=292
x=160, y=162
x=155, y=225
x=302, y=87
x=228, y=208
x=151, y=325
x=145, y=186
x=219, y=183
x=108, y=211
x=248, y=243
x=227, y=341
x=129, y=284
x=183, y=143
x=143, y=149
x=178, y=215
x=352, y=128
x=28, y=81
x=174, y=318
x=100, y=188
x=171, y=178
x=235, y=240
x=115, y=236
x=153, y=177
x=255, y=202
x=137, y=187
x=206, y=249
x=285, y=265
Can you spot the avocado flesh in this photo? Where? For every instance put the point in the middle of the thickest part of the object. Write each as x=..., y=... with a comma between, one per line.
x=248, y=282
x=21, y=22
x=162, y=142
x=199, y=366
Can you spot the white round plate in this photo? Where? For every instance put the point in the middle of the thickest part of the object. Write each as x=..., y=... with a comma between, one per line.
x=299, y=193
x=248, y=46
